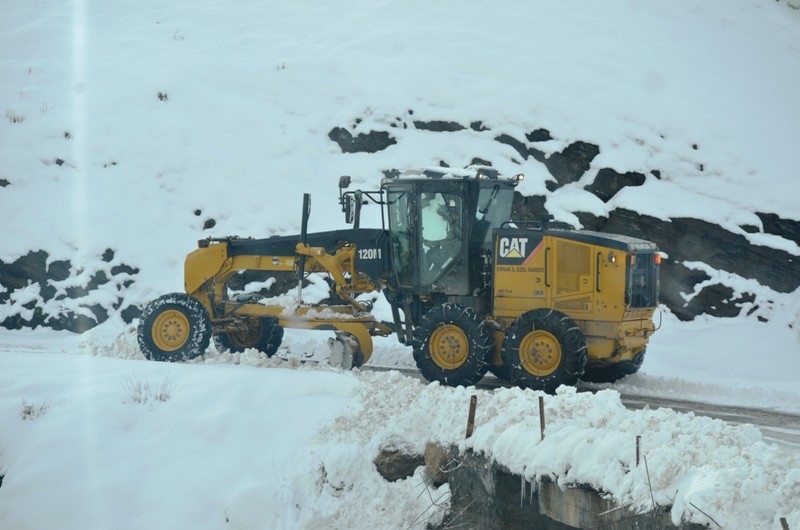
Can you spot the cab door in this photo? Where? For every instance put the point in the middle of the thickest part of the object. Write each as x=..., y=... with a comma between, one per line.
x=441, y=243
x=428, y=226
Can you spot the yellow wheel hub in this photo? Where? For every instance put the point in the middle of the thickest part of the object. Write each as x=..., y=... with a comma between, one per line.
x=170, y=330
x=540, y=353
x=449, y=346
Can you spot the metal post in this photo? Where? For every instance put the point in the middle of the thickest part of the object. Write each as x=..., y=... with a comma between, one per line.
x=541, y=416
x=473, y=401
x=638, y=440
x=301, y=263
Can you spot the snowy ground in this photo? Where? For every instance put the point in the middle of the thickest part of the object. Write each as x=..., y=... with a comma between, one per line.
x=123, y=122
x=105, y=439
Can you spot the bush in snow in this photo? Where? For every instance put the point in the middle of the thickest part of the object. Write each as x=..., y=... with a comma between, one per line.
x=142, y=392
x=31, y=411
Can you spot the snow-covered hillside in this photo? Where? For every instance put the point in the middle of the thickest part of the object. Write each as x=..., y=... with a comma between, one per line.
x=128, y=132
x=130, y=128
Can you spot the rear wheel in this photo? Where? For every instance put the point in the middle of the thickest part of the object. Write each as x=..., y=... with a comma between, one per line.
x=451, y=345
x=264, y=334
x=544, y=349
x=614, y=372
x=174, y=327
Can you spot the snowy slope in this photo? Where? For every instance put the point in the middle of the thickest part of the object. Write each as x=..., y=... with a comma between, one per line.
x=128, y=127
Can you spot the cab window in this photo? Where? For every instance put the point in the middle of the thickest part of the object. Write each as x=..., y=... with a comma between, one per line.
x=441, y=223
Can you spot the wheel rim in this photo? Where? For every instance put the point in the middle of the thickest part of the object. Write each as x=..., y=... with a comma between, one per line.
x=540, y=353
x=170, y=330
x=449, y=346
x=249, y=337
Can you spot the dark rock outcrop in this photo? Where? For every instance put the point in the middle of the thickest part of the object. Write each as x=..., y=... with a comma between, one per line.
x=570, y=164
x=518, y=146
x=439, y=126
x=32, y=271
x=539, y=135
x=776, y=226
x=363, y=143
x=608, y=182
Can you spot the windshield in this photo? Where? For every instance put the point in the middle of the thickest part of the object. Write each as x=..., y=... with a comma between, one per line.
x=494, y=208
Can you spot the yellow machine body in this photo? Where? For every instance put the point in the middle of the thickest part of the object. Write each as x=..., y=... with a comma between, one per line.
x=580, y=275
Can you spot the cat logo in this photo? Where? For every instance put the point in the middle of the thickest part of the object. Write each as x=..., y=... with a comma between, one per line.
x=513, y=247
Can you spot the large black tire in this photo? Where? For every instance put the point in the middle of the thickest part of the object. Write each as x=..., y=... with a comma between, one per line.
x=264, y=334
x=614, y=372
x=452, y=345
x=544, y=349
x=174, y=327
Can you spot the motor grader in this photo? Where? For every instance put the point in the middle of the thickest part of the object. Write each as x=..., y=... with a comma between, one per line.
x=470, y=291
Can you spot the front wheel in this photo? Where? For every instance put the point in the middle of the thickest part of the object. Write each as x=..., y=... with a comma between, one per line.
x=452, y=345
x=544, y=349
x=174, y=327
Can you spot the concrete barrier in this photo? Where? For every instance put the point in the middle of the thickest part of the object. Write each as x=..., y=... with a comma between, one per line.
x=488, y=496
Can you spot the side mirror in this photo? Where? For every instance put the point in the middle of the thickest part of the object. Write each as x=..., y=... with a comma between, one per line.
x=346, y=200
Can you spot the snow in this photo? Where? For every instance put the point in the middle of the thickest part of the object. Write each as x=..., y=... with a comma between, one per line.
x=123, y=122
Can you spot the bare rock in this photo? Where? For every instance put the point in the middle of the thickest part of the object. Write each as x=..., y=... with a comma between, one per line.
x=363, y=143
x=394, y=465
x=437, y=462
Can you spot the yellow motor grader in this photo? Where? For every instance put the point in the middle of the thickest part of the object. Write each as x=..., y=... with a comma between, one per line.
x=470, y=290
